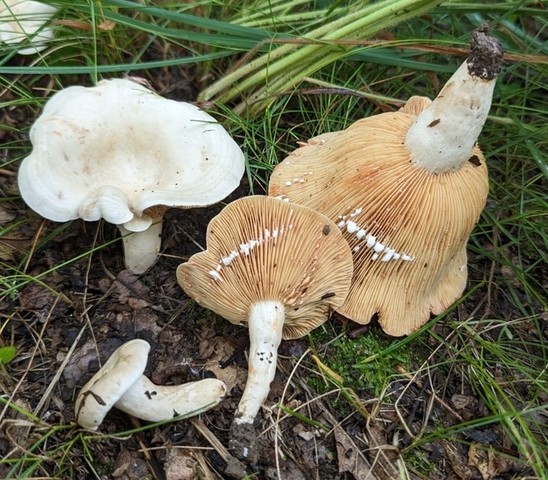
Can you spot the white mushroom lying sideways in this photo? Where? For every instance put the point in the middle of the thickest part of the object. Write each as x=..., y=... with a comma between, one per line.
x=120, y=152
x=25, y=22
x=120, y=383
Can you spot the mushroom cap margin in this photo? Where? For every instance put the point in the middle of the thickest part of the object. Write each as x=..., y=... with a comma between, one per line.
x=300, y=258
x=137, y=147
x=20, y=20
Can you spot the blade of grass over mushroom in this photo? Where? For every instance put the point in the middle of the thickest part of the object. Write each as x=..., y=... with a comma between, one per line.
x=206, y=32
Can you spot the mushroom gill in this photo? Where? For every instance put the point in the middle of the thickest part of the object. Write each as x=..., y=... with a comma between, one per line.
x=260, y=248
x=406, y=188
x=407, y=227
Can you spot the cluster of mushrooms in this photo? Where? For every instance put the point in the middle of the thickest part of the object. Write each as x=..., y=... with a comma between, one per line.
x=369, y=221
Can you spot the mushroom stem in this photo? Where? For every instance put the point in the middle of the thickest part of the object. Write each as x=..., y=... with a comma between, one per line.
x=141, y=248
x=156, y=403
x=266, y=320
x=443, y=135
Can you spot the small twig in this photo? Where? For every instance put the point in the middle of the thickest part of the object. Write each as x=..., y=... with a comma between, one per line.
x=7, y=173
x=58, y=373
x=35, y=239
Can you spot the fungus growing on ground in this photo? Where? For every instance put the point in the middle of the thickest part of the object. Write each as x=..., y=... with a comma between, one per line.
x=280, y=269
x=120, y=152
x=26, y=20
x=120, y=383
x=406, y=188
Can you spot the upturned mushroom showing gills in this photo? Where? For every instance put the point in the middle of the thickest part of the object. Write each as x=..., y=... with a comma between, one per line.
x=280, y=269
x=120, y=383
x=406, y=188
x=120, y=152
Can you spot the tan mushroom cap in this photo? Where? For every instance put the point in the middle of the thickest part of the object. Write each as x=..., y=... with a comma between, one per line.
x=407, y=227
x=261, y=248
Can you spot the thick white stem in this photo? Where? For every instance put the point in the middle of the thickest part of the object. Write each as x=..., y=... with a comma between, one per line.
x=266, y=321
x=141, y=249
x=155, y=403
x=443, y=135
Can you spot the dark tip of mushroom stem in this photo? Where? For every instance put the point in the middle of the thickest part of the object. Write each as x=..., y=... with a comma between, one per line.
x=243, y=442
x=486, y=54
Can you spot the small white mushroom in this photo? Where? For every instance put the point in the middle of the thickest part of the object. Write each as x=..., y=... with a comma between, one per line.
x=120, y=383
x=26, y=22
x=120, y=152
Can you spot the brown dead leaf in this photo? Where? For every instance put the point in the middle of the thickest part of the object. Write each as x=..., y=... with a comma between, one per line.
x=382, y=455
x=461, y=402
x=459, y=463
x=128, y=286
x=35, y=297
x=130, y=465
x=107, y=25
x=232, y=375
x=6, y=215
x=17, y=428
x=350, y=457
x=74, y=24
x=180, y=465
x=84, y=361
x=145, y=319
x=489, y=464
x=9, y=247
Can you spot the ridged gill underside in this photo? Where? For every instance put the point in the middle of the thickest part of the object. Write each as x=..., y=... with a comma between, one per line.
x=362, y=178
x=261, y=248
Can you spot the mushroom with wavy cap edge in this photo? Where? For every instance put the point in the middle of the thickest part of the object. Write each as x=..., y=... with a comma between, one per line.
x=406, y=188
x=280, y=269
x=22, y=21
x=120, y=152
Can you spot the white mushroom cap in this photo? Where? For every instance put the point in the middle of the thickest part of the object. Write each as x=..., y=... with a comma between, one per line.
x=124, y=367
x=22, y=20
x=120, y=383
x=120, y=152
